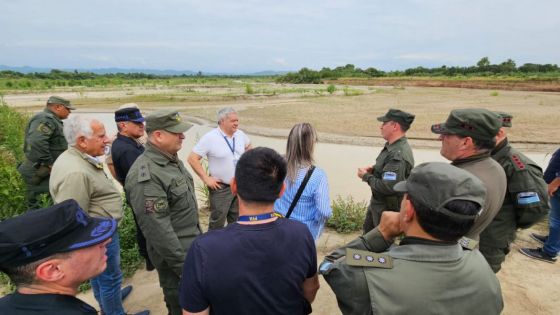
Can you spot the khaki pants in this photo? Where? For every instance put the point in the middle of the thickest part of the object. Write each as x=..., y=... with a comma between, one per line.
x=223, y=205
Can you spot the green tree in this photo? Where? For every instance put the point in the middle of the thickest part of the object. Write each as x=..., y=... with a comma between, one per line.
x=483, y=63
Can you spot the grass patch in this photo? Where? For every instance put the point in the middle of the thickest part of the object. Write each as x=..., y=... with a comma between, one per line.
x=348, y=215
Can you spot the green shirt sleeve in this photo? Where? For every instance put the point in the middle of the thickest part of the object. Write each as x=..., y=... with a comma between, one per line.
x=38, y=137
x=393, y=172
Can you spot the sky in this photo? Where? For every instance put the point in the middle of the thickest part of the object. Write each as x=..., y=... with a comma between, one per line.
x=243, y=36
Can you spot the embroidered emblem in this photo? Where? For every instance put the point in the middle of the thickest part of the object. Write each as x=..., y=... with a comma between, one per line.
x=44, y=129
x=149, y=206
x=389, y=176
x=160, y=204
x=101, y=229
x=176, y=117
x=527, y=198
x=81, y=217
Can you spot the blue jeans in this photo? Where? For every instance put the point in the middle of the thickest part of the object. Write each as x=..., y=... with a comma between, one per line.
x=552, y=244
x=107, y=286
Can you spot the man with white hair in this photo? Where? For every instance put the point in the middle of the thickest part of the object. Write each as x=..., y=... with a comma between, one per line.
x=223, y=146
x=78, y=174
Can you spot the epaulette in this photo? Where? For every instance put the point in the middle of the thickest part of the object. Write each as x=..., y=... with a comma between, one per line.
x=362, y=258
x=143, y=172
x=467, y=243
x=517, y=163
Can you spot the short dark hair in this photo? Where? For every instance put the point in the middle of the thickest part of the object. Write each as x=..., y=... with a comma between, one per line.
x=259, y=174
x=404, y=128
x=444, y=227
x=486, y=144
x=25, y=274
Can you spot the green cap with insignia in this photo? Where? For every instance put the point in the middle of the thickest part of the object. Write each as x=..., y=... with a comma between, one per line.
x=168, y=120
x=506, y=118
x=477, y=123
x=59, y=100
x=399, y=116
x=434, y=184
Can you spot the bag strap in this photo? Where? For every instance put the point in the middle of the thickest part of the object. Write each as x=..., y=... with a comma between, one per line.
x=300, y=191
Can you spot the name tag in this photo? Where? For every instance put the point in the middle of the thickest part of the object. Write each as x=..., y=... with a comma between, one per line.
x=389, y=176
x=527, y=198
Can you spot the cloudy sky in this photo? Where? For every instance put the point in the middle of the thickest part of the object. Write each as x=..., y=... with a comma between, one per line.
x=253, y=35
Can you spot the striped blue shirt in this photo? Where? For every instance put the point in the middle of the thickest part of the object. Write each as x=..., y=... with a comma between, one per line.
x=314, y=207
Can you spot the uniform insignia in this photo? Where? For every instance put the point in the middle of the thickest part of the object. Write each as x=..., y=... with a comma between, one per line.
x=527, y=198
x=389, y=176
x=44, y=129
x=160, y=204
x=143, y=173
x=325, y=267
x=364, y=258
x=149, y=206
x=467, y=243
x=176, y=117
x=517, y=162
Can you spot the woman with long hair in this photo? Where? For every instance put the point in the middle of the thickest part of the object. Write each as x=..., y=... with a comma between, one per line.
x=313, y=207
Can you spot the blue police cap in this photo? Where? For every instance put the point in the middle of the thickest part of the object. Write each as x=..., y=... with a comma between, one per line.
x=129, y=114
x=40, y=233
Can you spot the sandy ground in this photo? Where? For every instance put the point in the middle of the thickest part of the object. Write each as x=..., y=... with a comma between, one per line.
x=528, y=286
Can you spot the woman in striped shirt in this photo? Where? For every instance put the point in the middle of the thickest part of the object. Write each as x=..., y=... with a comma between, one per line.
x=313, y=207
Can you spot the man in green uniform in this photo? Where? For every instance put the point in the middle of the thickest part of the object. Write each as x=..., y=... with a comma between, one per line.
x=428, y=272
x=44, y=142
x=392, y=165
x=525, y=203
x=161, y=193
x=467, y=138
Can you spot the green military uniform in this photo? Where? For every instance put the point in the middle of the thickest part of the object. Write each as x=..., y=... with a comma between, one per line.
x=419, y=276
x=525, y=203
x=162, y=195
x=44, y=142
x=392, y=165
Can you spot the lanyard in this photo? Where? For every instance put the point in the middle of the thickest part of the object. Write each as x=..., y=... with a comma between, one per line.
x=232, y=148
x=258, y=217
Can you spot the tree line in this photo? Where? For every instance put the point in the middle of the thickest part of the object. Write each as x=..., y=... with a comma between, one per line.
x=482, y=68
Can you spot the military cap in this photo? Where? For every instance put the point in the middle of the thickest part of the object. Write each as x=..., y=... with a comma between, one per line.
x=38, y=234
x=399, y=116
x=505, y=117
x=61, y=101
x=477, y=123
x=168, y=120
x=129, y=114
x=434, y=184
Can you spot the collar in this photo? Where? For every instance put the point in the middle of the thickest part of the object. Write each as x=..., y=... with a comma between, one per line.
x=223, y=134
x=90, y=159
x=50, y=302
x=422, y=250
x=476, y=157
x=395, y=144
x=128, y=139
x=158, y=156
x=501, y=149
x=51, y=113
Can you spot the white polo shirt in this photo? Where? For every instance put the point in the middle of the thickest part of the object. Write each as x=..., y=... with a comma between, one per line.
x=222, y=152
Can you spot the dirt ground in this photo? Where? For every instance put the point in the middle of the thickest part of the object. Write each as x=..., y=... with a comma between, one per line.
x=528, y=286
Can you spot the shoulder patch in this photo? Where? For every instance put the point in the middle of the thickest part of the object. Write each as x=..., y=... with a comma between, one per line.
x=517, y=163
x=143, y=172
x=362, y=258
x=389, y=176
x=44, y=128
x=528, y=198
x=154, y=205
x=467, y=243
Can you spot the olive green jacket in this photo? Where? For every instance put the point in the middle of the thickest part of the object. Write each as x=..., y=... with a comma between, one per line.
x=44, y=138
x=161, y=192
x=421, y=277
x=78, y=176
x=526, y=198
x=392, y=165
x=494, y=179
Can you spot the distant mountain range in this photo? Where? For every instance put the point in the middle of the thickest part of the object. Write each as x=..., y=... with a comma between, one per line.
x=27, y=69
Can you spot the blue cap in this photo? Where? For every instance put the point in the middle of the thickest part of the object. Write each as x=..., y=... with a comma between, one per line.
x=129, y=114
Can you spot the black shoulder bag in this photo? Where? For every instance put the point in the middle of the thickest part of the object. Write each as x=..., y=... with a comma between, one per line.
x=300, y=191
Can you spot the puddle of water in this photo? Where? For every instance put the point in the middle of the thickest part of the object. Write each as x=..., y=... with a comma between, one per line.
x=340, y=161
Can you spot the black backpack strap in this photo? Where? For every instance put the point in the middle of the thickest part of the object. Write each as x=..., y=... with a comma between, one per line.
x=300, y=190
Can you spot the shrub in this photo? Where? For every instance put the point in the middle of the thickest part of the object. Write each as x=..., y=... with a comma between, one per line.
x=249, y=89
x=331, y=88
x=348, y=215
x=494, y=93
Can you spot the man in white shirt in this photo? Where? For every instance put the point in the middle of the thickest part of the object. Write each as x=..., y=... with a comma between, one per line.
x=223, y=146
